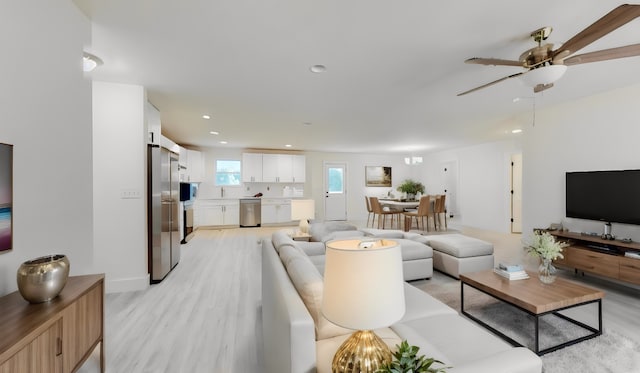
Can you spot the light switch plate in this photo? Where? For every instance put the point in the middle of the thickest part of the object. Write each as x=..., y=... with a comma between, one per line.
x=130, y=194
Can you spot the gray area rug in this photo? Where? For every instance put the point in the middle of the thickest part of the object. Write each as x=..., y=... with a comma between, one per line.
x=609, y=352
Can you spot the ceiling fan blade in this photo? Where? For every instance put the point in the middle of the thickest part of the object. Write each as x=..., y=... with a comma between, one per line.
x=605, y=54
x=611, y=21
x=493, y=62
x=542, y=87
x=491, y=83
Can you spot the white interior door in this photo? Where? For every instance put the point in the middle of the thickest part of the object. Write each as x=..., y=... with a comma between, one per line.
x=516, y=193
x=335, y=201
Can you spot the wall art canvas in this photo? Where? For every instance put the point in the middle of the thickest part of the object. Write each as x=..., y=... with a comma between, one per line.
x=377, y=176
x=6, y=196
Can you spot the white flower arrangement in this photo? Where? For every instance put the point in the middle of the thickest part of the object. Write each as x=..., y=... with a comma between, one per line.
x=543, y=245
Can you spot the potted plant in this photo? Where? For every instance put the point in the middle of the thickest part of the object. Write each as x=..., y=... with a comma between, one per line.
x=544, y=246
x=405, y=360
x=411, y=188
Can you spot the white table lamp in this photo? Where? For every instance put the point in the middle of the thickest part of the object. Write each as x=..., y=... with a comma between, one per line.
x=303, y=209
x=363, y=290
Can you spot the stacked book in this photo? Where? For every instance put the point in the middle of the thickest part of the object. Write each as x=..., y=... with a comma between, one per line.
x=511, y=271
x=632, y=254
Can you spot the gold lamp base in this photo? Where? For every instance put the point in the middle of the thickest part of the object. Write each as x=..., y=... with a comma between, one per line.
x=363, y=352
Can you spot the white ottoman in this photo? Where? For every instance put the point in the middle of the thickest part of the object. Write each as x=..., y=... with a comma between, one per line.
x=454, y=254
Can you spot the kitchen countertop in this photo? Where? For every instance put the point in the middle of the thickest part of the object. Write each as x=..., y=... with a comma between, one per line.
x=238, y=198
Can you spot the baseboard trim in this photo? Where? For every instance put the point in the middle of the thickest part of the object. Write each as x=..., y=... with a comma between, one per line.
x=127, y=284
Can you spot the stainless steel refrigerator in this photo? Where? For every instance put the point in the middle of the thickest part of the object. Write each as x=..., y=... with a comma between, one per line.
x=162, y=210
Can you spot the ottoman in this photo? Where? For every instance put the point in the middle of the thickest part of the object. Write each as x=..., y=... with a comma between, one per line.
x=417, y=255
x=454, y=254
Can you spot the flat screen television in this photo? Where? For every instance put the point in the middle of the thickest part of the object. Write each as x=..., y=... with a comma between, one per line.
x=609, y=196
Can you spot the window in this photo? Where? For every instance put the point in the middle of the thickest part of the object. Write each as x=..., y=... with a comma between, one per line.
x=336, y=180
x=228, y=172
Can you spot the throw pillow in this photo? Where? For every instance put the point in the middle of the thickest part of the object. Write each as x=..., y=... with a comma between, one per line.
x=309, y=284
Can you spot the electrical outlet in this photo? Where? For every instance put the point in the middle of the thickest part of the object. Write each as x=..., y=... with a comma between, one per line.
x=130, y=194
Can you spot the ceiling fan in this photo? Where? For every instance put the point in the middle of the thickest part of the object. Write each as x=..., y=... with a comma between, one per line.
x=544, y=65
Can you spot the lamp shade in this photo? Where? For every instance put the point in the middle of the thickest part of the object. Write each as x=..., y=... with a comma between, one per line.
x=363, y=287
x=543, y=75
x=302, y=209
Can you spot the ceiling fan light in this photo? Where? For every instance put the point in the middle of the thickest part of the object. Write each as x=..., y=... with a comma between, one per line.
x=543, y=75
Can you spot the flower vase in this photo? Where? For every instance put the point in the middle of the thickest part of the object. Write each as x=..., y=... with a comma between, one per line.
x=547, y=272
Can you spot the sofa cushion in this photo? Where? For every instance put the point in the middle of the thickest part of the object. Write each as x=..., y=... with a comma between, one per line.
x=416, y=237
x=460, y=246
x=458, y=340
x=419, y=304
x=318, y=261
x=383, y=233
x=412, y=250
x=289, y=252
x=280, y=238
x=342, y=235
x=309, y=284
x=311, y=248
x=320, y=229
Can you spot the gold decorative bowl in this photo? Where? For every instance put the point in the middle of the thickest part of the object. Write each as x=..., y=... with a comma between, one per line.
x=42, y=279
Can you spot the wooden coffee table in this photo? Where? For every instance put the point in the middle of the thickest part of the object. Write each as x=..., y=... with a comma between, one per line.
x=535, y=298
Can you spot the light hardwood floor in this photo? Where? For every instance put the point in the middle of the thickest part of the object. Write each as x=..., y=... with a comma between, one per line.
x=205, y=316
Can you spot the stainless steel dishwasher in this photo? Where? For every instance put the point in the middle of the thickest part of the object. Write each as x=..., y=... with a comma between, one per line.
x=250, y=212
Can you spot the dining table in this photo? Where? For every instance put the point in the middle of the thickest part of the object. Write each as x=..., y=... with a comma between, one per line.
x=399, y=205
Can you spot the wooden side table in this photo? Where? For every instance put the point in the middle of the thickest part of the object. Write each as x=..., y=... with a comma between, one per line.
x=298, y=236
x=55, y=336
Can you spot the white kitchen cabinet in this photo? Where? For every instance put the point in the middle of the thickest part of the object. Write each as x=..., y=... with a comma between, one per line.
x=221, y=212
x=251, y=167
x=195, y=166
x=273, y=168
x=277, y=168
x=275, y=211
x=231, y=214
x=182, y=164
x=299, y=164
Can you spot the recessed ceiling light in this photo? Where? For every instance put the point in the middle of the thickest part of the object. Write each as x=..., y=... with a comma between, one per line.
x=287, y=146
x=223, y=142
x=318, y=69
x=516, y=131
x=206, y=116
x=214, y=132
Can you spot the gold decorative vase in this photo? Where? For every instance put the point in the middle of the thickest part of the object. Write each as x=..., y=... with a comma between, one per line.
x=42, y=279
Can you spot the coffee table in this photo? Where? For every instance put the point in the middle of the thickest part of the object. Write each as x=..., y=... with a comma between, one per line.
x=536, y=299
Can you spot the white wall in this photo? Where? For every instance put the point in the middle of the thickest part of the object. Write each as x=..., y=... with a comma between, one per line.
x=45, y=112
x=483, y=182
x=119, y=162
x=356, y=189
x=600, y=132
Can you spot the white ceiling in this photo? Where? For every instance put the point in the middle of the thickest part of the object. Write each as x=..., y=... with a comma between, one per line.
x=393, y=68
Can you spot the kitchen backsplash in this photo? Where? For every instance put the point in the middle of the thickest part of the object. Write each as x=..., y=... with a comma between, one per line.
x=211, y=191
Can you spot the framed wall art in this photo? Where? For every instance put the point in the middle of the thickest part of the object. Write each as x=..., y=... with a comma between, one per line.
x=6, y=196
x=377, y=176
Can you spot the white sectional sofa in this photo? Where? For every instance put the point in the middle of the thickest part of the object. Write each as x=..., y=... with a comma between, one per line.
x=417, y=256
x=298, y=339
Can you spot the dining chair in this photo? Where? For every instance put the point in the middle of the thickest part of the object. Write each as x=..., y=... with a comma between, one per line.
x=369, y=211
x=438, y=210
x=382, y=214
x=424, y=210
